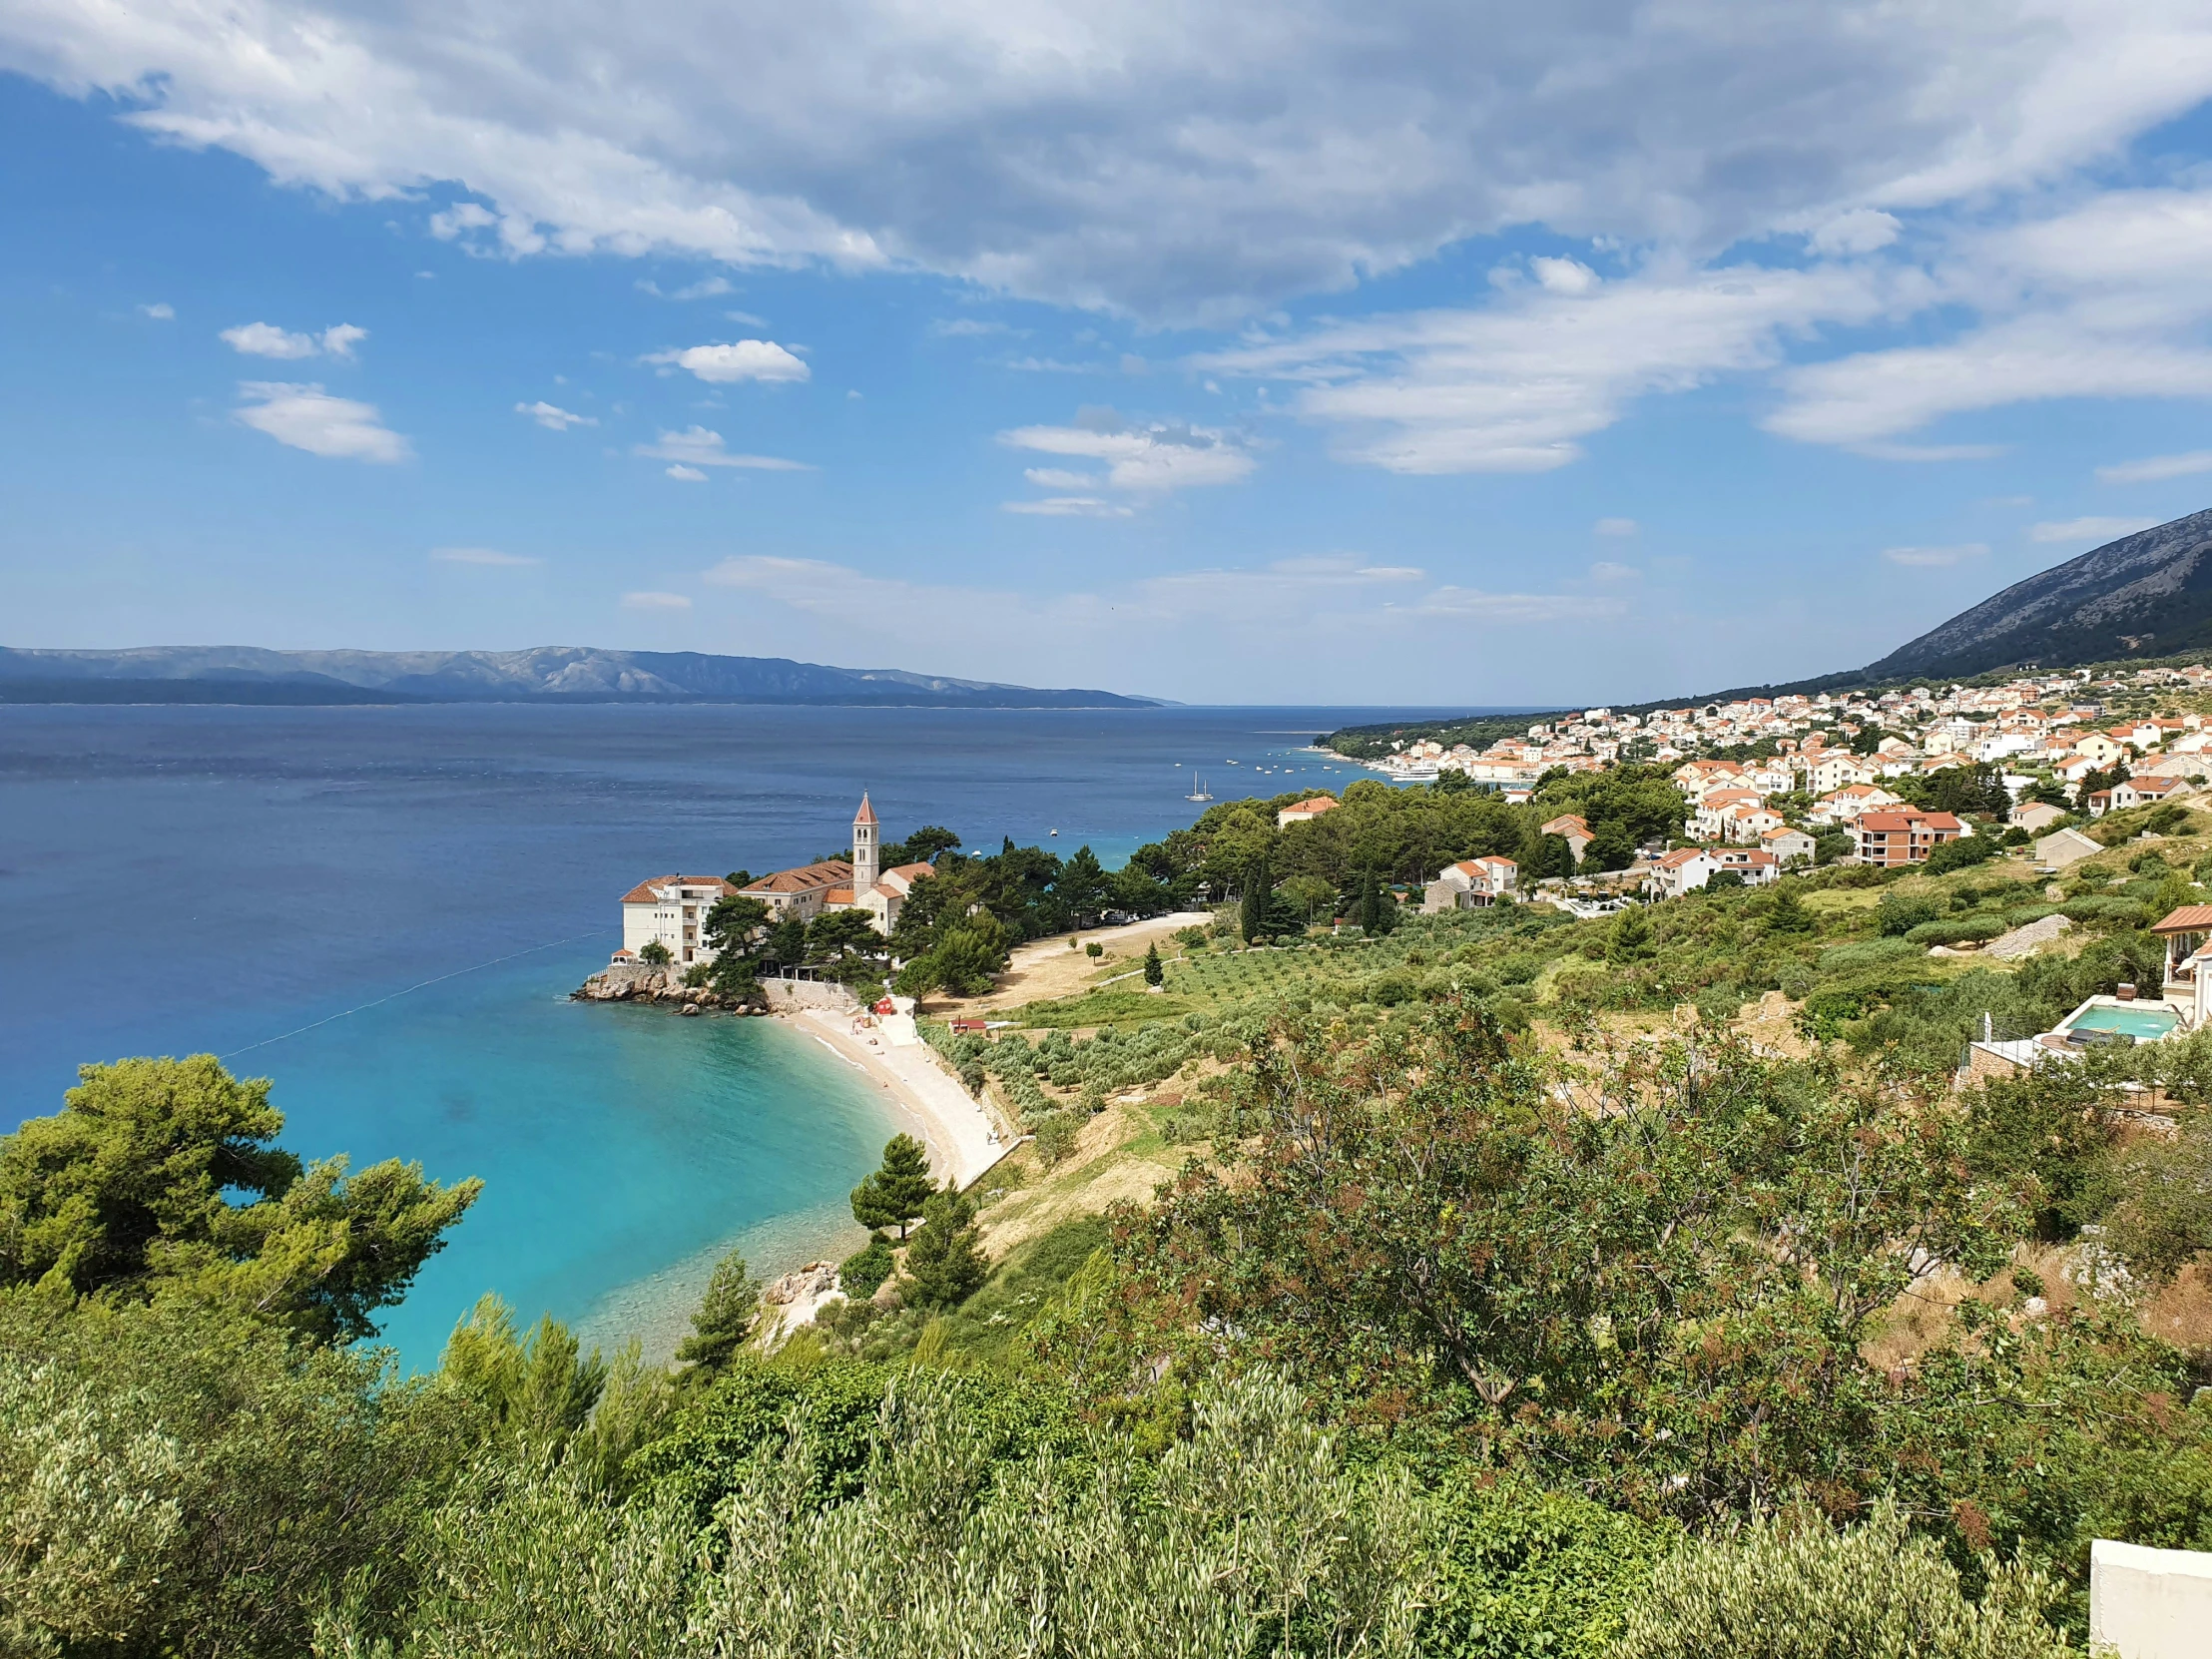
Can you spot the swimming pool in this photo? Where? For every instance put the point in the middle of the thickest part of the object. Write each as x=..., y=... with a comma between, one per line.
x=2146, y=1025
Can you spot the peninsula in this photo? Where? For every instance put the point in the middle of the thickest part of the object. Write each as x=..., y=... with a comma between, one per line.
x=545, y=674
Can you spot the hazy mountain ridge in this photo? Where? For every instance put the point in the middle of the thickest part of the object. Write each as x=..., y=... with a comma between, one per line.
x=565, y=673
x=2148, y=594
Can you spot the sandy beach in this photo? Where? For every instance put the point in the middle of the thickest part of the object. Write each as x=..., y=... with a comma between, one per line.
x=963, y=1139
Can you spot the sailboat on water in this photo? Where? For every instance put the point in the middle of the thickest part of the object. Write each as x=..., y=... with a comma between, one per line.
x=1198, y=789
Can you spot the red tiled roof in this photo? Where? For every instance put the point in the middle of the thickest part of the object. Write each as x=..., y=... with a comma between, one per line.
x=867, y=814
x=643, y=892
x=2190, y=918
x=911, y=871
x=837, y=895
x=1314, y=805
x=805, y=878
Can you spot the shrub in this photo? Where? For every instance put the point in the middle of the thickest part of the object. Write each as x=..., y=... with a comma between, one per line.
x=863, y=1272
x=1790, y=1588
x=1866, y=953
x=1527, y=1571
x=1899, y=913
x=1962, y=853
x=1979, y=929
x=1055, y=1135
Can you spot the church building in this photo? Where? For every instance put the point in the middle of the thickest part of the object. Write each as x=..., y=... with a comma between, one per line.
x=858, y=884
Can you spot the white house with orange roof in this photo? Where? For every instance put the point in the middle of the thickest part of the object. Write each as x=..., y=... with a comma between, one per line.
x=1470, y=885
x=1572, y=829
x=1685, y=869
x=1844, y=805
x=671, y=910
x=1790, y=846
x=1304, y=812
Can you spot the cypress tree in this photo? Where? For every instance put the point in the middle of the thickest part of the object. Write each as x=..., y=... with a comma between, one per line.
x=1259, y=883
x=1155, y=972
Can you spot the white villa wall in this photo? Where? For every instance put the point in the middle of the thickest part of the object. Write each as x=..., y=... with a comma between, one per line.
x=2149, y=1603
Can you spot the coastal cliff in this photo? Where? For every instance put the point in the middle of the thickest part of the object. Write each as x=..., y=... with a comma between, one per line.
x=640, y=982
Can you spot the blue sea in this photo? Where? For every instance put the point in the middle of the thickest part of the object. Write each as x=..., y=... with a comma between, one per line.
x=384, y=910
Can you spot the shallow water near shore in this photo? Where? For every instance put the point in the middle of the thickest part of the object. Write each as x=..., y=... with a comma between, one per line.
x=384, y=910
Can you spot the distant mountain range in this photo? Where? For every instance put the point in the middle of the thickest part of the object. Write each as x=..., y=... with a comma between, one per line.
x=2145, y=595
x=563, y=674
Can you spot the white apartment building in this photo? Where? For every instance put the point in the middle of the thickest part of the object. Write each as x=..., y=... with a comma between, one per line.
x=671, y=910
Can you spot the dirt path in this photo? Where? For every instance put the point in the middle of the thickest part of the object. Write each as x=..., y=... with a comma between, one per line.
x=1045, y=969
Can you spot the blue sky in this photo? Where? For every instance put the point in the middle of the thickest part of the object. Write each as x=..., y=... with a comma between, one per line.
x=1395, y=352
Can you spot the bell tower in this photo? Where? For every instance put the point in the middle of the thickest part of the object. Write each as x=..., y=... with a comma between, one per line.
x=867, y=853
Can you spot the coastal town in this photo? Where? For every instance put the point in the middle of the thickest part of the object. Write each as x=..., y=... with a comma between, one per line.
x=1778, y=783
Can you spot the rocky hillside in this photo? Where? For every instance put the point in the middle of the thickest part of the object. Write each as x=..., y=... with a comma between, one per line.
x=578, y=674
x=2145, y=595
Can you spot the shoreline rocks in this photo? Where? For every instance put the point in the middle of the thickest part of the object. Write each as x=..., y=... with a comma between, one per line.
x=627, y=982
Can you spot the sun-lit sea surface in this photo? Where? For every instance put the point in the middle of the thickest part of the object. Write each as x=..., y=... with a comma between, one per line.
x=278, y=885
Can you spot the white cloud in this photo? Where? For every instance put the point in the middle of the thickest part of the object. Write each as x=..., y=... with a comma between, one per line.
x=1609, y=571
x=1069, y=506
x=1518, y=607
x=695, y=446
x=553, y=418
x=2093, y=530
x=1318, y=598
x=1615, y=528
x=745, y=359
x=161, y=311
x=1860, y=230
x=1937, y=557
x=483, y=556
x=1146, y=458
x=1059, y=478
x=265, y=340
x=2153, y=468
x=308, y=417
x=1514, y=385
x=1134, y=158
x=648, y=601
x=747, y=318
x=1050, y=366
x=1929, y=452
x=970, y=327
x=685, y=475
x=1565, y=276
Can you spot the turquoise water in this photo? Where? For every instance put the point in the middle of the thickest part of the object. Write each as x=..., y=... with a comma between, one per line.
x=2143, y=1024
x=607, y=1136
x=274, y=884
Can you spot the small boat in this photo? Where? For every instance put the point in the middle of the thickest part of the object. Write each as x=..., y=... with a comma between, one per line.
x=1053, y=831
x=1198, y=788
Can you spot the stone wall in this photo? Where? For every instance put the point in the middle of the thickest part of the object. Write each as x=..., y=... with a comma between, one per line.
x=785, y=995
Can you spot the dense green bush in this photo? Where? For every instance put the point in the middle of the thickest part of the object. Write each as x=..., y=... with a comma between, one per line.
x=1899, y=912
x=861, y=1274
x=1789, y=1587
x=1977, y=929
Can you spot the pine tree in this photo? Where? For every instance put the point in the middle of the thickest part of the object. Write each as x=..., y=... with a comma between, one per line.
x=1789, y=914
x=725, y=1315
x=945, y=1262
x=896, y=1192
x=1155, y=973
x=1631, y=938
